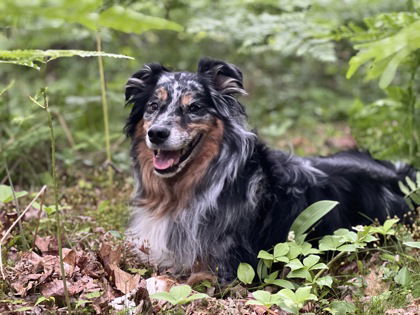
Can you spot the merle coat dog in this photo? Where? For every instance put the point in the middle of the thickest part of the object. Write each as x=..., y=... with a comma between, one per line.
x=210, y=194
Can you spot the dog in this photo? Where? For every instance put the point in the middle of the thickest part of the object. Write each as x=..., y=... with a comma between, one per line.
x=210, y=194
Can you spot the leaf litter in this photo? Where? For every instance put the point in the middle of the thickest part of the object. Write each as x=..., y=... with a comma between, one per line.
x=103, y=275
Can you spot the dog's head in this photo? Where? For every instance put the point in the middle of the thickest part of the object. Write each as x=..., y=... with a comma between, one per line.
x=176, y=113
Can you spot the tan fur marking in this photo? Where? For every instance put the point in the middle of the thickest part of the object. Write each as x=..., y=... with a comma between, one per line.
x=169, y=195
x=162, y=94
x=186, y=99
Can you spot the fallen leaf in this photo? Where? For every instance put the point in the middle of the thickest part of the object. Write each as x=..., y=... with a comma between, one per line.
x=47, y=245
x=374, y=283
x=109, y=257
x=159, y=284
x=197, y=277
x=124, y=281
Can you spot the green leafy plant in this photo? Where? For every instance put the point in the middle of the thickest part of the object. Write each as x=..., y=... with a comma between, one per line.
x=288, y=300
x=6, y=194
x=89, y=297
x=311, y=215
x=411, y=190
x=178, y=295
x=32, y=58
x=306, y=267
x=264, y=298
x=389, y=42
x=245, y=273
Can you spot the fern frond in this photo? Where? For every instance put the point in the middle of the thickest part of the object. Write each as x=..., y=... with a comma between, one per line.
x=32, y=58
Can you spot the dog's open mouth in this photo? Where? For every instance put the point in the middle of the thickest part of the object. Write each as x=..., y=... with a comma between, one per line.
x=168, y=161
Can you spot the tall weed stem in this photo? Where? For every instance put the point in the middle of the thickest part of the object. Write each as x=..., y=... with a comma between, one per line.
x=57, y=210
x=104, y=110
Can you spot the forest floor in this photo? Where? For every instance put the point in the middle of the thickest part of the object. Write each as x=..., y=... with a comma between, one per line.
x=104, y=276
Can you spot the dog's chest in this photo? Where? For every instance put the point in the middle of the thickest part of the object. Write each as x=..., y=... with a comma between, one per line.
x=149, y=236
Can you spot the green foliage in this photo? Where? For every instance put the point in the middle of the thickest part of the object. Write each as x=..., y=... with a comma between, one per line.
x=412, y=244
x=89, y=296
x=30, y=58
x=341, y=308
x=90, y=13
x=264, y=298
x=178, y=295
x=403, y=277
x=130, y=21
x=411, y=190
x=387, y=43
x=287, y=299
x=245, y=273
x=388, y=53
x=306, y=266
x=311, y=215
x=6, y=194
x=42, y=299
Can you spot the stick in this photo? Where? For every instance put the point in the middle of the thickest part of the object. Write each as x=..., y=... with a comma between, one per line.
x=14, y=224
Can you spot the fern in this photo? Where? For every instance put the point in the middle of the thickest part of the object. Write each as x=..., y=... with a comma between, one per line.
x=385, y=55
x=30, y=58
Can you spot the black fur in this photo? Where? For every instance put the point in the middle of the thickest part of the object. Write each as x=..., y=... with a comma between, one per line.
x=251, y=194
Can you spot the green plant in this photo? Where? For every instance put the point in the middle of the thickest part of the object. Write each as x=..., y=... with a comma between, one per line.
x=178, y=295
x=411, y=190
x=45, y=107
x=6, y=194
x=288, y=300
x=306, y=266
x=386, y=43
x=311, y=215
x=88, y=299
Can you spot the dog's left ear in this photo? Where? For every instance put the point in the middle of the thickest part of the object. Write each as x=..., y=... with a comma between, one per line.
x=225, y=77
x=143, y=80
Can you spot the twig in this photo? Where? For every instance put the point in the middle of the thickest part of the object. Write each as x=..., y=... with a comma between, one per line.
x=14, y=224
x=39, y=217
x=113, y=166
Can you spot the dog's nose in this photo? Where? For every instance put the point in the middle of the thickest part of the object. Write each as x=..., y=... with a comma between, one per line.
x=158, y=135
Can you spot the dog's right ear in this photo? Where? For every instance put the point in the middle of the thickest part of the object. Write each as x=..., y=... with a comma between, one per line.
x=225, y=77
x=142, y=81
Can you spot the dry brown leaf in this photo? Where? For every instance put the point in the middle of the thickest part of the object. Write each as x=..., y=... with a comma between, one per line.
x=100, y=304
x=124, y=281
x=109, y=257
x=53, y=288
x=197, y=277
x=374, y=283
x=47, y=244
x=412, y=309
x=159, y=284
x=70, y=263
x=56, y=287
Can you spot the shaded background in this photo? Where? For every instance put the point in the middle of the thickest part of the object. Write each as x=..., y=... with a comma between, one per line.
x=294, y=56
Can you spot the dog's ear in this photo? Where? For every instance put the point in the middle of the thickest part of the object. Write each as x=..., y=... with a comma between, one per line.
x=225, y=77
x=143, y=80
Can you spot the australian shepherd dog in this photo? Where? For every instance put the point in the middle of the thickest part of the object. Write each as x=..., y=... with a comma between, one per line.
x=210, y=194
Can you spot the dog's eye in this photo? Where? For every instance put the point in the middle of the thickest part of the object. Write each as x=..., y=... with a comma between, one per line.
x=152, y=107
x=193, y=108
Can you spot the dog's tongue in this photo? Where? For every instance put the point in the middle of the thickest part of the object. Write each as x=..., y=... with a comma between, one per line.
x=166, y=159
